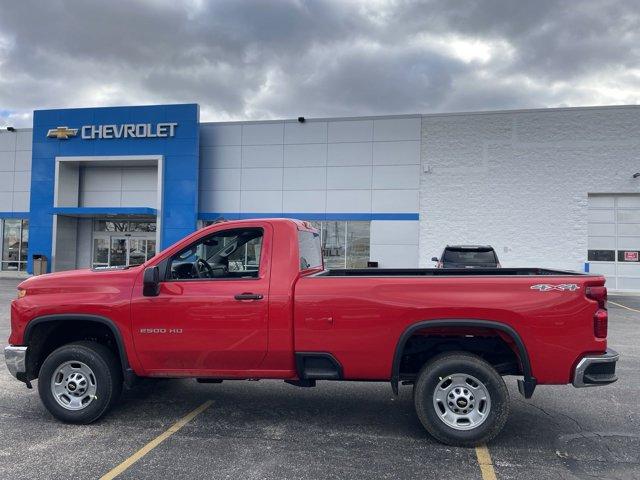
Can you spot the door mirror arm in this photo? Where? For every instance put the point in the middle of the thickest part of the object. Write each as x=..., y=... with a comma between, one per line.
x=151, y=282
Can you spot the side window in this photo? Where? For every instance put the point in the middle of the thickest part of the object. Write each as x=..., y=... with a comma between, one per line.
x=226, y=254
x=247, y=258
x=309, y=247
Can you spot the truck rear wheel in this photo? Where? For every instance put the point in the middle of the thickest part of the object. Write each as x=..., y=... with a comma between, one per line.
x=79, y=382
x=461, y=400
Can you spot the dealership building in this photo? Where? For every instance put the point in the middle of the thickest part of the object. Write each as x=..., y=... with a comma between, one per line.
x=101, y=187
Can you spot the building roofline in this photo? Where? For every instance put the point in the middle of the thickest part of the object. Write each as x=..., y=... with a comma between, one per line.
x=421, y=115
x=106, y=107
x=318, y=119
x=533, y=110
x=395, y=116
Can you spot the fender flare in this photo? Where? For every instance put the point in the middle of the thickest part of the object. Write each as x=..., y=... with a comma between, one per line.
x=127, y=372
x=525, y=386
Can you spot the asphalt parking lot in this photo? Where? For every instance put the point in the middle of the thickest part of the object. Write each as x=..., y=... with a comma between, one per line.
x=264, y=430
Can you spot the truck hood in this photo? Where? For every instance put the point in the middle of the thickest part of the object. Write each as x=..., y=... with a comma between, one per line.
x=82, y=279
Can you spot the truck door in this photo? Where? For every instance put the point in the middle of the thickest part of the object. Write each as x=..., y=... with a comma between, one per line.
x=211, y=315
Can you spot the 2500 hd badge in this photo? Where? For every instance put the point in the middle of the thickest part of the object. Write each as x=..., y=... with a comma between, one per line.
x=160, y=330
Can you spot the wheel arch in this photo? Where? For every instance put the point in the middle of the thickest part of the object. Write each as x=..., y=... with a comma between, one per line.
x=526, y=386
x=127, y=372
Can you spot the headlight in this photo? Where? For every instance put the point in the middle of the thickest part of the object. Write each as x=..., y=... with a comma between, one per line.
x=21, y=293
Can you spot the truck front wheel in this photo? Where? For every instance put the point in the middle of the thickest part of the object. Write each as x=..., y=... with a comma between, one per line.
x=79, y=382
x=460, y=399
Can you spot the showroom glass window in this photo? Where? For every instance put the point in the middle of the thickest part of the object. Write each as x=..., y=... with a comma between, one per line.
x=15, y=243
x=345, y=244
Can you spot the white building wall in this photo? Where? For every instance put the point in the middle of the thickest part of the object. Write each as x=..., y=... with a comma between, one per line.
x=15, y=170
x=119, y=186
x=66, y=236
x=84, y=244
x=520, y=180
x=394, y=243
x=326, y=167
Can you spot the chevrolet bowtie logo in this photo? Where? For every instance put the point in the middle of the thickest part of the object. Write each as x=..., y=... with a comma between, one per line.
x=62, y=133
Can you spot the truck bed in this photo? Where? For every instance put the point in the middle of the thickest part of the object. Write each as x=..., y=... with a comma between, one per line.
x=446, y=272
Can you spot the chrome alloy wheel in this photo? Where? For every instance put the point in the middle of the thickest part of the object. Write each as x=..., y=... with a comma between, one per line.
x=73, y=385
x=461, y=401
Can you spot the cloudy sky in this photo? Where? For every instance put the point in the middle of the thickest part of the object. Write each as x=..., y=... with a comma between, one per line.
x=260, y=59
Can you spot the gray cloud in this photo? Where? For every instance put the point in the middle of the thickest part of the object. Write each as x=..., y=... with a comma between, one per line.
x=257, y=59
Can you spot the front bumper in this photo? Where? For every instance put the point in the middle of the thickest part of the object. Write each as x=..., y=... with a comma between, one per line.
x=595, y=370
x=16, y=360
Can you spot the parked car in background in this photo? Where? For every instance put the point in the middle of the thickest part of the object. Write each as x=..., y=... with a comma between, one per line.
x=467, y=256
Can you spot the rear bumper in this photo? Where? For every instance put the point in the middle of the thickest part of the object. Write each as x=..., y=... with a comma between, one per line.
x=16, y=360
x=596, y=370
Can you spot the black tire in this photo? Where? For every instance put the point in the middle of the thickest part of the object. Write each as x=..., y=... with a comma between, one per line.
x=108, y=380
x=443, y=366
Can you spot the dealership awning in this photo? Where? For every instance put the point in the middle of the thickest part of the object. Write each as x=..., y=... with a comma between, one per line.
x=104, y=211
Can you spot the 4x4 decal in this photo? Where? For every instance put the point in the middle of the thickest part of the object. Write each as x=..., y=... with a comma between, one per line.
x=563, y=287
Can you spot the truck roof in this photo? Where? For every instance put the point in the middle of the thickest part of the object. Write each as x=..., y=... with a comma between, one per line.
x=471, y=247
x=301, y=224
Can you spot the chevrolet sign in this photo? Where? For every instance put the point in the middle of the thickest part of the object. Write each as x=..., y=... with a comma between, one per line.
x=62, y=133
x=129, y=130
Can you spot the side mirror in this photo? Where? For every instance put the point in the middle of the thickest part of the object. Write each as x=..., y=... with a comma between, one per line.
x=151, y=282
x=434, y=259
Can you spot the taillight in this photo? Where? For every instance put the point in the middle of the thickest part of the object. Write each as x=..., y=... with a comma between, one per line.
x=600, y=323
x=599, y=294
x=601, y=317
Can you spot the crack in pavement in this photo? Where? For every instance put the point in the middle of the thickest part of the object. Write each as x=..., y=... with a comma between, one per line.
x=536, y=407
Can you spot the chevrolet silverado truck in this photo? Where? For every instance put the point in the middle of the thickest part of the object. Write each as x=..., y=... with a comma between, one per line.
x=251, y=299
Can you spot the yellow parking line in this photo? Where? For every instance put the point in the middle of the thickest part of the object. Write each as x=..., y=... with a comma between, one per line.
x=623, y=306
x=156, y=441
x=486, y=465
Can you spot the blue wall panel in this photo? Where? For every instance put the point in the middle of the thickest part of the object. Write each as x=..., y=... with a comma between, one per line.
x=180, y=153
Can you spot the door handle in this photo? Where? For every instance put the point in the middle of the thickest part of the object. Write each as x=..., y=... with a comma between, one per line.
x=248, y=296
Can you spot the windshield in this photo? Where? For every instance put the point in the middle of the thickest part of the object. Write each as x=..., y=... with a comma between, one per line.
x=470, y=256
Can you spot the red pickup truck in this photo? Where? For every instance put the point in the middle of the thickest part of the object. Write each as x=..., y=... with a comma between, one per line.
x=251, y=300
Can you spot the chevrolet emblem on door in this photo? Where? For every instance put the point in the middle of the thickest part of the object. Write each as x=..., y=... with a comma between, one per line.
x=62, y=133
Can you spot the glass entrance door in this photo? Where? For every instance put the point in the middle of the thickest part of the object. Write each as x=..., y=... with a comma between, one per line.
x=122, y=242
x=140, y=250
x=100, y=252
x=122, y=251
x=118, y=252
